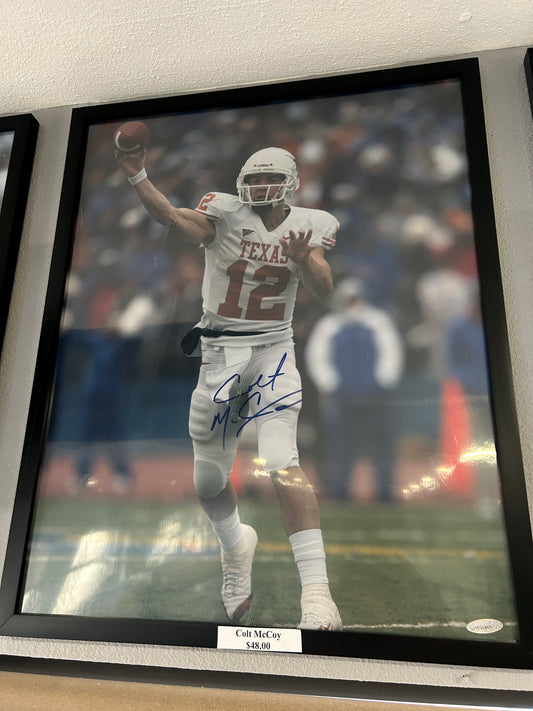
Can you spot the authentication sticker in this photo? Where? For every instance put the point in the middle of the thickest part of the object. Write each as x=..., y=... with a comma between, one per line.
x=484, y=626
x=259, y=639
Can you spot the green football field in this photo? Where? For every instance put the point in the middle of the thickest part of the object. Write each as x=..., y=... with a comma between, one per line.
x=404, y=569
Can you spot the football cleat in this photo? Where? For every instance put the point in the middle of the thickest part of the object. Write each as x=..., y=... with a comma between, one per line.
x=236, y=574
x=319, y=612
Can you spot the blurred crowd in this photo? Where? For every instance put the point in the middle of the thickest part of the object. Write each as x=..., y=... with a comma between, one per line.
x=390, y=165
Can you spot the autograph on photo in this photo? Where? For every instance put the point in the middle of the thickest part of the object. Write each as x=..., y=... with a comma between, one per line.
x=254, y=393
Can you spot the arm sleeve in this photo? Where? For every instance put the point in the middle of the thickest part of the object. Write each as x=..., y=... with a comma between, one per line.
x=318, y=355
x=325, y=231
x=210, y=206
x=389, y=365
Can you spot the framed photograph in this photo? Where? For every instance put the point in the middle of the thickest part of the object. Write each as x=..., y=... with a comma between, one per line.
x=273, y=407
x=18, y=136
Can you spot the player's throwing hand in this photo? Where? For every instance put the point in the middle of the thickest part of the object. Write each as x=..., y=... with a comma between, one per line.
x=131, y=163
x=296, y=246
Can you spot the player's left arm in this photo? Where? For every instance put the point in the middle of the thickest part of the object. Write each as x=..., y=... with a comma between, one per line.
x=315, y=272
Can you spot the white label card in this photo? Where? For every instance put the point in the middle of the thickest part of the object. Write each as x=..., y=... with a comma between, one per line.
x=259, y=639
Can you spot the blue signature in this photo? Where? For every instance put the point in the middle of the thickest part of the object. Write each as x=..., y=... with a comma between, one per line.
x=226, y=416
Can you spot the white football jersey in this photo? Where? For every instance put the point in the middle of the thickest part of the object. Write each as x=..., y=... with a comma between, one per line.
x=249, y=285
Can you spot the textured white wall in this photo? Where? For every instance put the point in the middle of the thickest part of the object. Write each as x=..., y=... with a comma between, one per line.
x=55, y=53
x=60, y=54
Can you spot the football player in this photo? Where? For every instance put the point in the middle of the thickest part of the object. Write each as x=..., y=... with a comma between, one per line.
x=257, y=248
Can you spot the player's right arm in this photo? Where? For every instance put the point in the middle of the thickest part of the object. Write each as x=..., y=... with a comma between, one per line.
x=185, y=223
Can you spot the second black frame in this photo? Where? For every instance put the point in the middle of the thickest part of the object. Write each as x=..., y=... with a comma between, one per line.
x=20, y=132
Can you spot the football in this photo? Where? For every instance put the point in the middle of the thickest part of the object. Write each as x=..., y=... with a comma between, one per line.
x=131, y=136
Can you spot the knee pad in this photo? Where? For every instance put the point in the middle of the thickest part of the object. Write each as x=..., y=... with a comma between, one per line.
x=209, y=478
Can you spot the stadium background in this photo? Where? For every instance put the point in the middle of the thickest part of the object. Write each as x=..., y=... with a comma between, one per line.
x=391, y=166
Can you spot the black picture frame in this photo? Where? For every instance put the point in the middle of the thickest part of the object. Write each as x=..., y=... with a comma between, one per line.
x=517, y=654
x=23, y=128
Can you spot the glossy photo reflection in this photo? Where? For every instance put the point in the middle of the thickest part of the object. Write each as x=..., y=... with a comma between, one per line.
x=395, y=433
x=6, y=144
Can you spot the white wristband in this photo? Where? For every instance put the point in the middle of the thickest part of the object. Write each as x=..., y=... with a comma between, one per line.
x=141, y=175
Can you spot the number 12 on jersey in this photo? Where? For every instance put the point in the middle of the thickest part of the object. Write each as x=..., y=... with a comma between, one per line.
x=254, y=309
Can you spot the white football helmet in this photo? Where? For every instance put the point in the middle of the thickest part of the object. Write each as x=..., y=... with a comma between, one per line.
x=269, y=160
